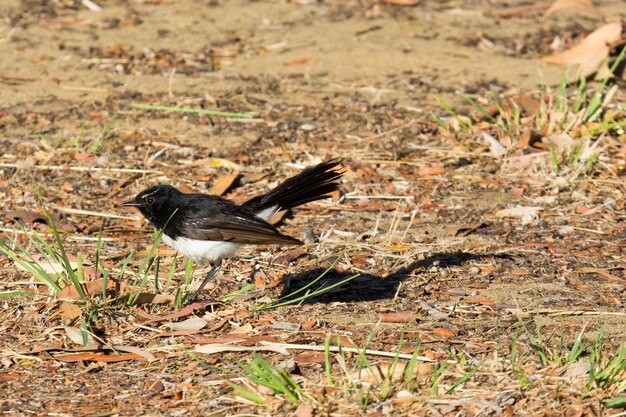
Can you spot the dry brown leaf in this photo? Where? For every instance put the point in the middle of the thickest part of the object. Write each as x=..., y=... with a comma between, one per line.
x=577, y=6
x=95, y=357
x=591, y=52
x=70, y=311
x=426, y=171
x=308, y=358
x=90, y=288
x=562, y=142
x=223, y=183
x=441, y=332
x=304, y=410
x=10, y=377
x=398, y=317
x=292, y=255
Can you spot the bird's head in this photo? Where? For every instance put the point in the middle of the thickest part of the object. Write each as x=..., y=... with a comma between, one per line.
x=156, y=203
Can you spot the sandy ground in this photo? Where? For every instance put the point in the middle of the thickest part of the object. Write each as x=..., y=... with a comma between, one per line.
x=355, y=79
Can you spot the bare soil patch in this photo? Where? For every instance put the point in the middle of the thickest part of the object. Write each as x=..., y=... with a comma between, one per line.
x=496, y=302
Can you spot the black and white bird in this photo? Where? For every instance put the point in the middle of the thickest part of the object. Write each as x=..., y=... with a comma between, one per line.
x=208, y=228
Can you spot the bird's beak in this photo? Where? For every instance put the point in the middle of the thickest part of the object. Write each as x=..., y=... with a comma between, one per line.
x=131, y=203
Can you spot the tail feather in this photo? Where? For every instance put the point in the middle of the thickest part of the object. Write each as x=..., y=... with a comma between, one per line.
x=313, y=183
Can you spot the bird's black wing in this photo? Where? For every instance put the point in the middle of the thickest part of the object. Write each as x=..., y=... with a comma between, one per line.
x=234, y=227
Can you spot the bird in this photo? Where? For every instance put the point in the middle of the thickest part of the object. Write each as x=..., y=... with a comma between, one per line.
x=209, y=228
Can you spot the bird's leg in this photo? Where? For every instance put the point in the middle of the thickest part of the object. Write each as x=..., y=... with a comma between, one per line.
x=214, y=270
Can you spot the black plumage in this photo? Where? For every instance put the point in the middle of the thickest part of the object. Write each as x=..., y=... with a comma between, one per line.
x=210, y=228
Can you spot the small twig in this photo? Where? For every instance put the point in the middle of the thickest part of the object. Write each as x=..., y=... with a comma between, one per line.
x=94, y=213
x=83, y=169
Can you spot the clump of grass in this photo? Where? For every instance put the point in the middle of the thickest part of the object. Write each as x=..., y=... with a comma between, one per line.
x=96, y=145
x=54, y=253
x=66, y=272
x=258, y=372
x=572, y=122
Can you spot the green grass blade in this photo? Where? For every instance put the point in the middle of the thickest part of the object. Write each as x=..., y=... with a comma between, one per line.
x=464, y=378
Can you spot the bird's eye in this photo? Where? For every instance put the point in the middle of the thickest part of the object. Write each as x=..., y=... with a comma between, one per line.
x=150, y=200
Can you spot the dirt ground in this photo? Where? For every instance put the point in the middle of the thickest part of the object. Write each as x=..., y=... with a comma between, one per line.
x=499, y=299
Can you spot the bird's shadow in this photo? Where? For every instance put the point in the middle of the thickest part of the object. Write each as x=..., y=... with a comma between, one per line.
x=366, y=287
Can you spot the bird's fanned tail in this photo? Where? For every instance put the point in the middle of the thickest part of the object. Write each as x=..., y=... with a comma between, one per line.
x=314, y=183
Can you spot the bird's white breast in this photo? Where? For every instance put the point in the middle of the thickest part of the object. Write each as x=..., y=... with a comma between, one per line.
x=202, y=250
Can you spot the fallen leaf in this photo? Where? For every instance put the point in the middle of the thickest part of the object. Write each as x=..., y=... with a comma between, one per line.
x=398, y=317
x=219, y=348
x=304, y=410
x=243, y=329
x=10, y=377
x=578, y=6
x=49, y=266
x=77, y=337
x=577, y=371
x=520, y=272
x=300, y=61
x=495, y=146
x=528, y=104
x=70, y=311
x=309, y=358
x=519, y=212
x=441, y=332
x=405, y=396
x=561, y=142
x=155, y=386
x=292, y=255
x=95, y=357
x=591, y=52
x=135, y=350
x=309, y=324
x=223, y=183
x=90, y=288
x=193, y=323
x=426, y=171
